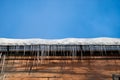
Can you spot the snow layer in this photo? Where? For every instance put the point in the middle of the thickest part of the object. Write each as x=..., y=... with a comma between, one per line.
x=66, y=41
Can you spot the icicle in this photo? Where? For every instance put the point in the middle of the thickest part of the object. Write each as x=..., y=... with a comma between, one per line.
x=101, y=50
x=38, y=53
x=105, y=49
x=0, y=55
x=48, y=50
x=24, y=49
x=72, y=53
x=1, y=59
x=42, y=53
x=54, y=50
x=68, y=55
x=30, y=63
x=45, y=48
x=3, y=64
x=81, y=52
x=91, y=51
x=118, y=48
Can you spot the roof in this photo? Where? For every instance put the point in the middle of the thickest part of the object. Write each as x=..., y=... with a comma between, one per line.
x=65, y=41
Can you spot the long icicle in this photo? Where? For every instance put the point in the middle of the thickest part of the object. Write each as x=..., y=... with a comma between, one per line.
x=3, y=64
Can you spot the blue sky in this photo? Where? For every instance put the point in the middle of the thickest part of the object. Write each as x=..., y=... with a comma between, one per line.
x=59, y=18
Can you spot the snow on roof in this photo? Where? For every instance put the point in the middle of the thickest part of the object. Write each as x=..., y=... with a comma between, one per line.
x=66, y=41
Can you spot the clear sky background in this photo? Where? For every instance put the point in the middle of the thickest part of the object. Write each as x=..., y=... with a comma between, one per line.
x=59, y=18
